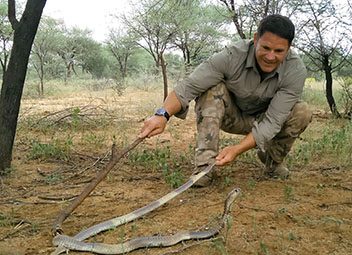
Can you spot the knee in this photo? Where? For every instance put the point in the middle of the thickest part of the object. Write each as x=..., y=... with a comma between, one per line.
x=302, y=113
x=211, y=102
x=300, y=117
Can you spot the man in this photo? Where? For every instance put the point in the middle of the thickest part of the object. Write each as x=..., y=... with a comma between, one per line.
x=252, y=88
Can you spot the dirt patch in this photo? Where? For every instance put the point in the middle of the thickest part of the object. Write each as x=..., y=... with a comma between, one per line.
x=308, y=214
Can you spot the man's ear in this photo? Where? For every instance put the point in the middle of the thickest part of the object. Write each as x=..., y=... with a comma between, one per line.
x=255, y=38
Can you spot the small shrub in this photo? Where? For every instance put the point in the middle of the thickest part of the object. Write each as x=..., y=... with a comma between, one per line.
x=173, y=178
x=263, y=248
x=154, y=158
x=53, y=150
x=346, y=95
x=6, y=220
x=288, y=193
x=334, y=143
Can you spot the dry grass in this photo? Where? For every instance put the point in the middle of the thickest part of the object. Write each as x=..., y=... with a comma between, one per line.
x=308, y=214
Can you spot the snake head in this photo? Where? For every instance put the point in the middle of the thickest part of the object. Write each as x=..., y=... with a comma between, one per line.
x=231, y=197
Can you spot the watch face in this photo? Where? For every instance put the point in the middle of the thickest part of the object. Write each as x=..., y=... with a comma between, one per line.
x=160, y=112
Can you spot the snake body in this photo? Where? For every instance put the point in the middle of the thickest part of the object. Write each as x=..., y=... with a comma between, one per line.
x=149, y=241
x=133, y=244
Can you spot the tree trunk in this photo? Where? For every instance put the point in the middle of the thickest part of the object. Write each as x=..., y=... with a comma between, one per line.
x=329, y=93
x=163, y=70
x=14, y=77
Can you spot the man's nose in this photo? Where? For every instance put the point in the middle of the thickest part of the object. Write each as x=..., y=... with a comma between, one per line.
x=270, y=55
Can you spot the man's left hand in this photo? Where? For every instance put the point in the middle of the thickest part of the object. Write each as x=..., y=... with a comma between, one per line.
x=227, y=155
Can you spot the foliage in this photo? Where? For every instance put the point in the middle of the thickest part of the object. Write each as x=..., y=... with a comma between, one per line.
x=6, y=34
x=346, y=84
x=334, y=143
x=53, y=150
x=172, y=177
x=200, y=30
x=122, y=44
x=44, y=49
x=324, y=38
x=153, y=158
x=160, y=159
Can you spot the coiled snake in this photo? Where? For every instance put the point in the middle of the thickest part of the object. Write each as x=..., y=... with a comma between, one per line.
x=65, y=243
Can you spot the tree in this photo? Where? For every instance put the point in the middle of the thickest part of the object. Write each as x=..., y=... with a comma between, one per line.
x=89, y=55
x=6, y=33
x=236, y=15
x=44, y=46
x=122, y=45
x=77, y=48
x=15, y=74
x=247, y=14
x=154, y=23
x=324, y=36
x=200, y=30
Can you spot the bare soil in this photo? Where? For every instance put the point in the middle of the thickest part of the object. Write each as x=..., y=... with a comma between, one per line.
x=311, y=213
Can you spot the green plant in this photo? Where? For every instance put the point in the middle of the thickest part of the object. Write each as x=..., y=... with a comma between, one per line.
x=251, y=183
x=263, y=248
x=153, y=158
x=53, y=178
x=94, y=139
x=292, y=236
x=346, y=95
x=6, y=220
x=227, y=181
x=173, y=178
x=54, y=150
x=8, y=170
x=314, y=96
x=288, y=193
x=35, y=228
x=335, y=143
x=75, y=115
x=220, y=246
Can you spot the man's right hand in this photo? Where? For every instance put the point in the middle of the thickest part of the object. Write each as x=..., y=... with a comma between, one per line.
x=154, y=125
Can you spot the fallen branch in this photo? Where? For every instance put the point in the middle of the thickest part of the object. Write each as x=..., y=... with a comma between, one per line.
x=63, y=198
x=89, y=188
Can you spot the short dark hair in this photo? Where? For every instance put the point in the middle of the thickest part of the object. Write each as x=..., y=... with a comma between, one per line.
x=279, y=25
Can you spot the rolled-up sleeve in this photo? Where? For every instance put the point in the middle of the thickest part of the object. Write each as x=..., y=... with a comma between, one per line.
x=288, y=94
x=206, y=75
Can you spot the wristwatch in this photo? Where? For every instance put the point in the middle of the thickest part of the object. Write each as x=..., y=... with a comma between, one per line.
x=162, y=112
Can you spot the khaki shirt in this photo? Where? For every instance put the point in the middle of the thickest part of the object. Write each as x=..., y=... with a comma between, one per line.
x=236, y=67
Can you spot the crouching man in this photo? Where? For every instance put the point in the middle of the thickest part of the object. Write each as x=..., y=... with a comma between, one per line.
x=252, y=88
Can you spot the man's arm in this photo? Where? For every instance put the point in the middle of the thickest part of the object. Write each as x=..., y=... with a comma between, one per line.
x=156, y=124
x=230, y=153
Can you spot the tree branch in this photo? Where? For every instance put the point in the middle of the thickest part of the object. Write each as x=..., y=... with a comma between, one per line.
x=12, y=14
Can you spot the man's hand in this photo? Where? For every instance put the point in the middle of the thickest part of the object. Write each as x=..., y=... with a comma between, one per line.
x=154, y=125
x=227, y=155
x=230, y=153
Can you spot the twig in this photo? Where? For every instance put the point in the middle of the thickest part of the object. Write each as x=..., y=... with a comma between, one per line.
x=65, y=198
x=16, y=229
x=97, y=159
x=89, y=188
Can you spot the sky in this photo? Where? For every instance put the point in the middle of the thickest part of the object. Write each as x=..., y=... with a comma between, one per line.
x=93, y=15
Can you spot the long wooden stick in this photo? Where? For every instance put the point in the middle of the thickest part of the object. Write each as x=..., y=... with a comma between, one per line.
x=89, y=188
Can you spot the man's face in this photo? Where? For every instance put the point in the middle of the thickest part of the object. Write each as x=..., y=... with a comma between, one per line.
x=270, y=51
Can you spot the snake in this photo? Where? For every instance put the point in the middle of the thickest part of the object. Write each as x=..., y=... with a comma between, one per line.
x=150, y=241
x=62, y=241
